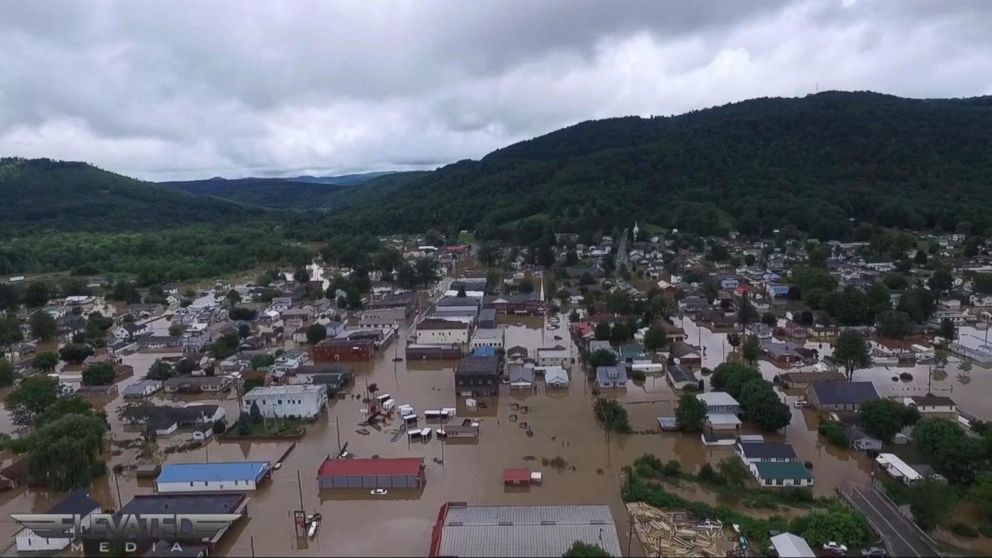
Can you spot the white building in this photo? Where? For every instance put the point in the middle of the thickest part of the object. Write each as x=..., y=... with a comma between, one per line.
x=211, y=477
x=442, y=332
x=488, y=338
x=77, y=502
x=303, y=401
x=553, y=356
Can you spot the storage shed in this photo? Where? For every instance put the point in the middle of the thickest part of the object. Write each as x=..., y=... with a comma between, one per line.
x=405, y=472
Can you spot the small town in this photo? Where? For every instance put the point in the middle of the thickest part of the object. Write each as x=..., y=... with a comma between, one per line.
x=659, y=393
x=496, y=279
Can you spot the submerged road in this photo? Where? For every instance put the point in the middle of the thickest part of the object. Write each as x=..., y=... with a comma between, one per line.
x=902, y=537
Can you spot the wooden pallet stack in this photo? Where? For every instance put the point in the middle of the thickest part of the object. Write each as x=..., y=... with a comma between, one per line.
x=674, y=534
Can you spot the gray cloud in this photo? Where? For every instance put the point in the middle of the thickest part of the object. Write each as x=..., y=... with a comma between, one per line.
x=165, y=90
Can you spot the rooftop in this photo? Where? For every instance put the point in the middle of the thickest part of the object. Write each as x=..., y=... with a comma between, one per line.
x=185, y=503
x=782, y=470
x=188, y=472
x=522, y=530
x=77, y=502
x=717, y=399
x=841, y=393
x=371, y=466
x=478, y=365
x=442, y=324
x=767, y=450
x=294, y=389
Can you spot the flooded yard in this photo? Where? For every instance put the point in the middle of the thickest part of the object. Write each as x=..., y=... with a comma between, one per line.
x=586, y=468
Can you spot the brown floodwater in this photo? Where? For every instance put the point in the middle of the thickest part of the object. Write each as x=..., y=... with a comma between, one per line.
x=562, y=422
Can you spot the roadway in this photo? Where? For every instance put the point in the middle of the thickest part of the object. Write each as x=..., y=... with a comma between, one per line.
x=902, y=537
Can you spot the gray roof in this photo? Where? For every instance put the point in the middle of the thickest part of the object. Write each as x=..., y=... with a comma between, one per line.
x=184, y=503
x=680, y=374
x=611, y=374
x=525, y=530
x=844, y=393
x=458, y=301
x=767, y=450
x=477, y=366
x=521, y=374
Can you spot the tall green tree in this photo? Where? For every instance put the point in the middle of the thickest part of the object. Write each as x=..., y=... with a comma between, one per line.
x=100, y=374
x=37, y=294
x=31, y=397
x=10, y=332
x=7, y=376
x=43, y=326
x=45, y=362
x=851, y=351
x=751, y=349
x=690, y=415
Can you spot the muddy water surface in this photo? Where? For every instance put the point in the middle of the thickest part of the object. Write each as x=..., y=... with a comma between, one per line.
x=562, y=422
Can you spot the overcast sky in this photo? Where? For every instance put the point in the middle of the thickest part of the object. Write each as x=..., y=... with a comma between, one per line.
x=175, y=90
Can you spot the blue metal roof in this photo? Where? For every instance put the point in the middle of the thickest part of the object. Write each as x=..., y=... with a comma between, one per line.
x=189, y=472
x=484, y=351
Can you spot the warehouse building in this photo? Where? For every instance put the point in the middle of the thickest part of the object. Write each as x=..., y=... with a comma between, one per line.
x=406, y=472
x=463, y=530
x=212, y=477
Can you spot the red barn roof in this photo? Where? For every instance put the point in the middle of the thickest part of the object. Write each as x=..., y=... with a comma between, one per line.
x=516, y=476
x=379, y=466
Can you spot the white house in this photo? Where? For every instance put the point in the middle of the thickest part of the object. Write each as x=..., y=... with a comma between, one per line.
x=555, y=377
x=442, y=332
x=553, y=356
x=300, y=400
x=77, y=502
x=932, y=406
x=488, y=338
x=211, y=477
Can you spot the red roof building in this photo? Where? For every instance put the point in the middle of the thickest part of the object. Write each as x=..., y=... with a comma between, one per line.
x=404, y=472
x=516, y=476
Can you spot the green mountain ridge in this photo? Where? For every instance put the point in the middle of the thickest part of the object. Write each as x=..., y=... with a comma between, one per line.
x=300, y=193
x=821, y=164
x=46, y=195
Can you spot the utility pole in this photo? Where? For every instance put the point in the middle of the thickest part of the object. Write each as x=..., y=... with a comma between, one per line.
x=120, y=504
x=337, y=428
x=299, y=484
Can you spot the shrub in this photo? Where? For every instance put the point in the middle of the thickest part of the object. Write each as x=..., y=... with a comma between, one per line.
x=612, y=415
x=833, y=431
x=708, y=475
x=672, y=469
x=963, y=530
x=638, y=375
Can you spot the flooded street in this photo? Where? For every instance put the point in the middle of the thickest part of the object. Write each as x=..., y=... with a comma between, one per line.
x=563, y=425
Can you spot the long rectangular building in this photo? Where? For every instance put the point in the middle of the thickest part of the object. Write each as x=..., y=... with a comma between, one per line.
x=463, y=530
x=405, y=472
x=211, y=477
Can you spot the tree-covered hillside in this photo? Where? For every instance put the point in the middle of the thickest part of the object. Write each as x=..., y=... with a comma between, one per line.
x=45, y=195
x=309, y=193
x=820, y=164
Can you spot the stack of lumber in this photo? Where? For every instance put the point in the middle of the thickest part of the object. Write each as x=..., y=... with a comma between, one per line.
x=674, y=534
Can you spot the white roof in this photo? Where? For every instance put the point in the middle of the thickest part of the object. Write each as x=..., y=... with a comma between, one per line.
x=718, y=399
x=293, y=389
x=720, y=419
x=555, y=375
x=788, y=545
x=526, y=530
x=897, y=467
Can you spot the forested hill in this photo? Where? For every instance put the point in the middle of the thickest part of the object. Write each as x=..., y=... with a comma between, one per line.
x=304, y=192
x=44, y=195
x=820, y=163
